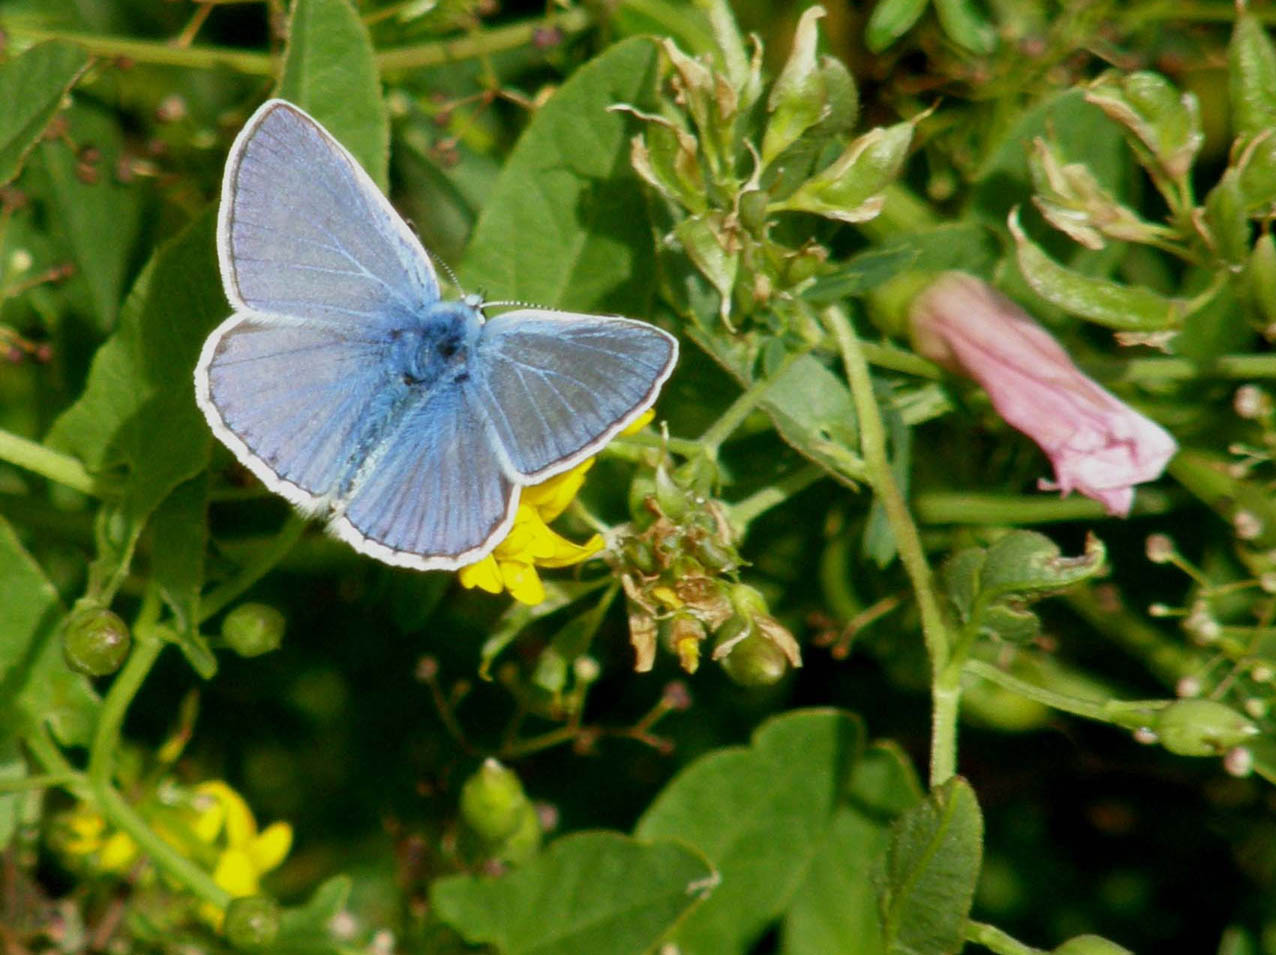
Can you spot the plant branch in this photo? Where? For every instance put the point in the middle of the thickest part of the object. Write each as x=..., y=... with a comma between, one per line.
x=54, y=465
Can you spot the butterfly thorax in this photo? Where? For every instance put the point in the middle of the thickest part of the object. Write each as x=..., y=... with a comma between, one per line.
x=436, y=349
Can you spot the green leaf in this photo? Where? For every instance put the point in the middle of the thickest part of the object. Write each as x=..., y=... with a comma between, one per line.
x=762, y=814
x=138, y=409
x=587, y=893
x=13, y=765
x=835, y=911
x=179, y=539
x=99, y=218
x=36, y=686
x=566, y=224
x=329, y=71
x=812, y=411
x=890, y=20
x=1251, y=71
x=932, y=865
x=32, y=87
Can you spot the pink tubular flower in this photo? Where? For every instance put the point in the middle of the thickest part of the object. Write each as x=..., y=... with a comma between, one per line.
x=1097, y=444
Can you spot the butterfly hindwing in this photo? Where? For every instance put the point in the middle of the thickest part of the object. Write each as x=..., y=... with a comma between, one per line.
x=303, y=230
x=436, y=493
x=294, y=402
x=559, y=385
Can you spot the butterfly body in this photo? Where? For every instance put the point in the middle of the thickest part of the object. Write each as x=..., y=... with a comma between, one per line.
x=349, y=386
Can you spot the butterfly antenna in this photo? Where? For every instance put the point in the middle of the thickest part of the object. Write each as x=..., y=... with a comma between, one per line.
x=456, y=283
x=515, y=304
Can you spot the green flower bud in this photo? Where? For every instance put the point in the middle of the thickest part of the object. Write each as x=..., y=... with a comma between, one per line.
x=1261, y=272
x=750, y=658
x=1091, y=945
x=753, y=205
x=95, y=641
x=797, y=100
x=1251, y=72
x=523, y=843
x=1163, y=121
x=674, y=502
x=1258, y=174
x=748, y=601
x=252, y=629
x=1201, y=727
x=492, y=802
x=251, y=922
x=853, y=188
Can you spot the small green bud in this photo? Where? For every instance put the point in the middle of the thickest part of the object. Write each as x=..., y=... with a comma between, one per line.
x=1251, y=69
x=748, y=601
x=492, y=802
x=525, y=840
x=753, y=209
x=853, y=187
x=673, y=500
x=252, y=629
x=251, y=922
x=1258, y=174
x=1201, y=728
x=95, y=641
x=797, y=100
x=1261, y=272
x=639, y=556
x=1091, y=945
x=1165, y=122
x=752, y=661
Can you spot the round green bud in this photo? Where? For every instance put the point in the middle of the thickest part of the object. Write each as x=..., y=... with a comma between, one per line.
x=253, y=629
x=95, y=641
x=492, y=802
x=753, y=205
x=753, y=660
x=1201, y=727
x=251, y=922
x=1091, y=945
x=523, y=843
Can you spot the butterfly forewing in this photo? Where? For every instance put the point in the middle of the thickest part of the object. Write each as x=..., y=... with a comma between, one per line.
x=559, y=385
x=435, y=493
x=304, y=231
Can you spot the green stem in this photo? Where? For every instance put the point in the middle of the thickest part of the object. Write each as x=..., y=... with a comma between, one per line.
x=106, y=740
x=1243, y=367
x=256, y=568
x=995, y=940
x=252, y=63
x=969, y=507
x=945, y=672
x=742, y=513
x=43, y=781
x=1127, y=714
x=53, y=465
x=740, y=409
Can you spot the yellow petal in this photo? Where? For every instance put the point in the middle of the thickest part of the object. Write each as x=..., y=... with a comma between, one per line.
x=550, y=498
x=208, y=821
x=519, y=539
x=639, y=422
x=566, y=553
x=271, y=847
x=484, y=575
x=236, y=873
x=118, y=853
x=241, y=827
x=522, y=583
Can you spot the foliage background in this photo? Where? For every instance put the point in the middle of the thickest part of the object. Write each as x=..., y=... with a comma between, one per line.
x=362, y=728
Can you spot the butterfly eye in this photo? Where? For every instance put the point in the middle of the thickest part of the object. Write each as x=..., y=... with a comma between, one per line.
x=449, y=347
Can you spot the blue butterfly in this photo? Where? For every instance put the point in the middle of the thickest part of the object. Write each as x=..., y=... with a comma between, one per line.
x=349, y=386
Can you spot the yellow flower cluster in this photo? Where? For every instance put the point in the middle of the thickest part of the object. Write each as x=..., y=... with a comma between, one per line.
x=210, y=822
x=531, y=543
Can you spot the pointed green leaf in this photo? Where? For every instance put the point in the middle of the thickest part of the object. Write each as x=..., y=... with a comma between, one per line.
x=179, y=539
x=1251, y=71
x=98, y=216
x=931, y=868
x=762, y=814
x=566, y=224
x=330, y=72
x=812, y=411
x=36, y=686
x=1026, y=562
x=32, y=87
x=587, y=893
x=890, y=20
x=966, y=26
x=138, y=409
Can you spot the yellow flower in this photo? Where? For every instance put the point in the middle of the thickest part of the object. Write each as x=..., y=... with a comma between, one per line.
x=531, y=543
x=245, y=854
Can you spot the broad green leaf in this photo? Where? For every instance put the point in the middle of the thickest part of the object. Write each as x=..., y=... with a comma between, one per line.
x=835, y=911
x=179, y=538
x=98, y=216
x=861, y=273
x=32, y=87
x=566, y=224
x=932, y=865
x=330, y=72
x=138, y=409
x=762, y=814
x=36, y=686
x=587, y=893
x=812, y=411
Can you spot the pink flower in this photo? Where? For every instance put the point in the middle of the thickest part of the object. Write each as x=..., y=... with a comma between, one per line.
x=1097, y=444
